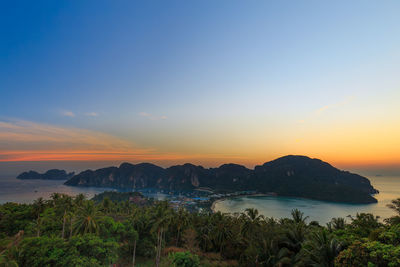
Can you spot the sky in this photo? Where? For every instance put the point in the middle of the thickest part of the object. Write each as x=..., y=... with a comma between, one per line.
x=91, y=83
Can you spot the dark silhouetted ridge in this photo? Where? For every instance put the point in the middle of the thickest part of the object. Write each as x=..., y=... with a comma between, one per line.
x=296, y=176
x=53, y=174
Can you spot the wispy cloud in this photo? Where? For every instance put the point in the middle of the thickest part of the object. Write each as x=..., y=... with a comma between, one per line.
x=323, y=109
x=92, y=114
x=67, y=113
x=29, y=141
x=342, y=103
x=23, y=140
x=144, y=114
x=151, y=116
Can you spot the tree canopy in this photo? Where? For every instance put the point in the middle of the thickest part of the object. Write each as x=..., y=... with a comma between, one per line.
x=74, y=231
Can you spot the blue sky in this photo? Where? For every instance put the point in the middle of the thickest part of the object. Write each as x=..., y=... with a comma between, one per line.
x=210, y=81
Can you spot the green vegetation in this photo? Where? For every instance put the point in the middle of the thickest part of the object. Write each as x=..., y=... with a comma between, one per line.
x=74, y=231
x=116, y=196
x=185, y=259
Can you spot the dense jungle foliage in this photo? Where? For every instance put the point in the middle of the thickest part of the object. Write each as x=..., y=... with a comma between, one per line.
x=74, y=231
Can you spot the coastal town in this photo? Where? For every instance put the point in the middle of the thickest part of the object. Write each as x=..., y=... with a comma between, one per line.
x=199, y=200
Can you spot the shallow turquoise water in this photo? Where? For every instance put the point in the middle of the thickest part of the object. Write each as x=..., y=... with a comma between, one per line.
x=323, y=212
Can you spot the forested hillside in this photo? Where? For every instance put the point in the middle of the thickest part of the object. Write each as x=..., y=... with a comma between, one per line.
x=295, y=176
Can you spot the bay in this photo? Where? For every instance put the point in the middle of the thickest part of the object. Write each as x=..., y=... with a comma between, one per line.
x=26, y=191
x=321, y=211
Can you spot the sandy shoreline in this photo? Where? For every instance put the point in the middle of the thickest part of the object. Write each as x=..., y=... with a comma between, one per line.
x=225, y=198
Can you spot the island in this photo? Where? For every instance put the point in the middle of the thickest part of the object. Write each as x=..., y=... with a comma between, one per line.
x=53, y=174
x=290, y=176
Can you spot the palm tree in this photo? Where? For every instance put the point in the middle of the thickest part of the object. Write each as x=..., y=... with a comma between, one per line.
x=253, y=215
x=338, y=223
x=321, y=250
x=134, y=249
x=298, y=216
x=87, y=218
x=395, y=205
x=138, y=224
x=106, y=204
x=251, y=222
x=181, y=219
x=294, y=238
x=9, y=255
x=283, y=257
x=65, y=203
x=161, y=220
x=71, y=216
x=250, y=232
x=38, y=207
x=204, y=230
x=79, y=199
x=77, y=203
x=222, y=231
x=55, y=197
x=274, y=256
x=130, y=236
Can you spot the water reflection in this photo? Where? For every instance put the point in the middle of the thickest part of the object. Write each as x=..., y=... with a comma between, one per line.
x=280, y=207
x=26, y=191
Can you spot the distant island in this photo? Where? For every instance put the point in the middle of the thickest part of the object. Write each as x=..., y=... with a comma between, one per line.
x=53, y=174
x=292, y=176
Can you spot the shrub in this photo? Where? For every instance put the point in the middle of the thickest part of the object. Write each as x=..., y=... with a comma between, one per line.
x=184, y=259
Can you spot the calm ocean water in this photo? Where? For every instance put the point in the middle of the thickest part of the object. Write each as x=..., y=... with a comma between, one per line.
x=323, y=212
x=25, y=191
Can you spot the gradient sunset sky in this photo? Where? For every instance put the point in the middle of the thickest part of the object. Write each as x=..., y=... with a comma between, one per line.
x=207, y=82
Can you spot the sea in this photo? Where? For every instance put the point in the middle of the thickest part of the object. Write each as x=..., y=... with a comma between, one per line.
x=320, y=211
x=26, y=191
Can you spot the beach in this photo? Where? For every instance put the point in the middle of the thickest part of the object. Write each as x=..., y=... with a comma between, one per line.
x=230, y=197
